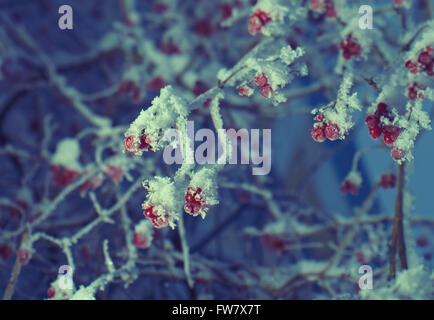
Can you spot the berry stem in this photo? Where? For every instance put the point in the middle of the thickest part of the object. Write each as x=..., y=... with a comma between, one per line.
x=398, y=243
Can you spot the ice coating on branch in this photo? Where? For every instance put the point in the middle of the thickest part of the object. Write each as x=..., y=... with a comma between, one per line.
x=67, y=154
x=166, y=112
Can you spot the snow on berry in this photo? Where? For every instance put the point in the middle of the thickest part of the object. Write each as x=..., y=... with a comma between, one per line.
x=338, y=114
x=163, y=202
x=245, y=91
x=350, y=47
x=318, y=133
x=261, y=79
x=266, y=91
x=351, y=183
x=331, y=131
x=148, y=128
x=201, y=193
x=143, y=234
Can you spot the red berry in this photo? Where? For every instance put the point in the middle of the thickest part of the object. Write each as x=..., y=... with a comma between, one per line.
x=372, y=121
x=360, y=257
x=382, y=109
x=199, y=88
x=266, y=91
x=319, y=118
x=244, y=91
x=397, y=153
x=145, y=143
x=5, y=251
x=130, y=144
x=375, y=132
x=261, y=79
x=411, y=66
x=424, y=58
x=318, y=133
x=51, y=292
x=349, y=187
x=156, y=84
x=391, y=133
x=331, y=131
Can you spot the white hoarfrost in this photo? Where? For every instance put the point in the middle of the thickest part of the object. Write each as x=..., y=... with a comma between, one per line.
x=67, y=154
x=167, y=111
x=165, y=198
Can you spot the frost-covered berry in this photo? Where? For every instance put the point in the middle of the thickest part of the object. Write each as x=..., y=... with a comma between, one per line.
x=331, y=131
x=391, y=133
x=245, y=91
x=261, y=79
x=158, y=219
x=411, y=66
x=424, y=58
x=257, y=20
x=318, y=133
x=375, y=132
x=195, y=202
x=388, y=181
x=130, y=144
x=372, y=121
x=266, y=91
x=351, y=183
x=397, y=153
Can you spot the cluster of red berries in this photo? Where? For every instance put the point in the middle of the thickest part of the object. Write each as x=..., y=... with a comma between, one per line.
x=158, y=220
x=413, y=88
x=425, y=62
x=349, y=187
x=391, y=132
x=62, y=176
x=195, y=202
x=376, y=128
x=130, y=87
x=349, y=47
x=257, y=20
x=323, y=130
x=328, y=5
x=262, y=81
x=133, y=146
x=388, y=181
